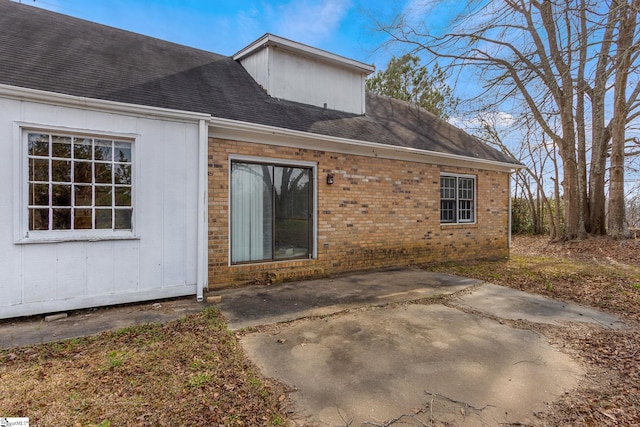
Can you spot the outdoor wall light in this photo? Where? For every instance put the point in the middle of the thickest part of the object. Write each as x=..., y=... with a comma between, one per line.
x=329, y=178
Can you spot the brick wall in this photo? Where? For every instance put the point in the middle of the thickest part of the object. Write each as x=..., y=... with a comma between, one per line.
x=378, y=213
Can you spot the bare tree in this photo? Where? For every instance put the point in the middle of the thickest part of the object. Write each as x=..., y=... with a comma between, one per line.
x=564, y=60
x=535, y=155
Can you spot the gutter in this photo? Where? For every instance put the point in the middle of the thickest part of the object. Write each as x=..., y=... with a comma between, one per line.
x=35, y=95
x=202, y=231
x=510, y=213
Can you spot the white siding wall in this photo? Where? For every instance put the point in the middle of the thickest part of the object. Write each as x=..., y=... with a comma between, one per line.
x=302, y=79
x=46, y=277
x=257, y=65
x=286, y=75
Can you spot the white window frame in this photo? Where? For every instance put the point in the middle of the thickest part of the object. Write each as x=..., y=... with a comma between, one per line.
x=457, y=177
x=21, y=198
x=281, y=162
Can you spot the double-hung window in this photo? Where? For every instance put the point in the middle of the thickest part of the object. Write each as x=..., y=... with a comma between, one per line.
x=457, y=199
x=78, y=185
x=272, y=211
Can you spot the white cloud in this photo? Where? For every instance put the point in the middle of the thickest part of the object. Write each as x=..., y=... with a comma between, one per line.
x=307, y=21
x=312, y=21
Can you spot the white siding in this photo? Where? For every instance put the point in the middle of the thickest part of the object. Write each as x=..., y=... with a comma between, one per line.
x=286, y=75
x=257, y=65
x=161, y=262
x=305, y=80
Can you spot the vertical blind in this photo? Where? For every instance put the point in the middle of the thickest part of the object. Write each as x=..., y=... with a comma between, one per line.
x=251, y=210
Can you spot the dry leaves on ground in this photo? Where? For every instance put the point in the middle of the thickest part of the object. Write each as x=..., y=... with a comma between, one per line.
x=187, y=372
x=598, y=272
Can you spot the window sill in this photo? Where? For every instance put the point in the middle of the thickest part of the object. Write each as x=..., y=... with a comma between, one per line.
x=56, y=238
x=459, y=225
x=269, y=263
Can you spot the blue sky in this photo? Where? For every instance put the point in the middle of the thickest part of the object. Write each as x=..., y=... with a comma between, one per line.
x=344, y=27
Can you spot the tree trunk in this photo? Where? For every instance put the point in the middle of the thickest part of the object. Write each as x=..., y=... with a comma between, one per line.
x=580, y=117
x=597, y=200
x=617, y=219
x=600, y=134
x=556, y=193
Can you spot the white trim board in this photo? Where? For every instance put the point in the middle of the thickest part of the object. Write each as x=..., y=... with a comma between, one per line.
x=53, y=306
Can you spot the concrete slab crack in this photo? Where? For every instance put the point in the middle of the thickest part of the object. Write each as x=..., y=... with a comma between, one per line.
x=428, y=409
x=457, y=402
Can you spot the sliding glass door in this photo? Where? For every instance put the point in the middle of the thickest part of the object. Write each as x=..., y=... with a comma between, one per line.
x=271, y=212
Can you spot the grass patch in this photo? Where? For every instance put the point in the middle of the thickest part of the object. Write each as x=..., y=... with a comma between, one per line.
x=200, y=380
x=115, y=359
x=190, y=372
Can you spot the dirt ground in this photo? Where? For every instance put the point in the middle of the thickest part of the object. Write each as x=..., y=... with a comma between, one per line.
x=602, y=273
x=598, y=249
x=607, y=274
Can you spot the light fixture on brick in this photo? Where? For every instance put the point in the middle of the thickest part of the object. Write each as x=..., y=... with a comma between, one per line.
x=329, y=178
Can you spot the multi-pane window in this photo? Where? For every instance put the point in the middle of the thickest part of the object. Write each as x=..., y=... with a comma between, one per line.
x=457, y=199
x=79, y=182
x=271, y=212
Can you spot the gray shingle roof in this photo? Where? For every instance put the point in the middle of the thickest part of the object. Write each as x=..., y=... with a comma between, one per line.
x=53, y=52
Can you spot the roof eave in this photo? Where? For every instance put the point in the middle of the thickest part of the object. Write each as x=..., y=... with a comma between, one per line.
x=61, y=99
x=251, y=132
